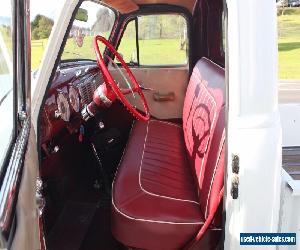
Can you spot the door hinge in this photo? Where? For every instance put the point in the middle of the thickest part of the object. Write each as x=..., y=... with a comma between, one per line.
x=235, y=164
x=234, y=186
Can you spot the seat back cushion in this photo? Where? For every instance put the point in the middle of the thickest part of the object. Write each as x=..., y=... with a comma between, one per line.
x=204, y=130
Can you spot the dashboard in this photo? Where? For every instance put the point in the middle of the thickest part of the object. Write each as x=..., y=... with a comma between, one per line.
x=72, y=88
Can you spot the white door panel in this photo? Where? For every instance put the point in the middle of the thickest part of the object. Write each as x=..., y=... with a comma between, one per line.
x=164, y=81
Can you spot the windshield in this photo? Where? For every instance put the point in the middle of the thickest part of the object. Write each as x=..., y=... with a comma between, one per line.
x=91, y=19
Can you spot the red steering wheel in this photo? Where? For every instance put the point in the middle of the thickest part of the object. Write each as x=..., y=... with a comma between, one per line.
x=109, y=91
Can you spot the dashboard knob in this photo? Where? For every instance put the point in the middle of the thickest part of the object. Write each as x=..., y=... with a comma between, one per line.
x=57, y=114
x=55, y=149
x=101, y=125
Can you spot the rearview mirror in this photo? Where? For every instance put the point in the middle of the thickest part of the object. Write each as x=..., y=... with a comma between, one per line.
x=81, y=15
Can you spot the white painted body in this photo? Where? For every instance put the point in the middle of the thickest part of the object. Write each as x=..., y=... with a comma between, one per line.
x=290, y=121
x=254, y=129
x=289, y=220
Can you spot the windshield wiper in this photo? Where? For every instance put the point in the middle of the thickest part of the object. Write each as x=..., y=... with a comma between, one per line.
x=73, y=53
x=77, y=60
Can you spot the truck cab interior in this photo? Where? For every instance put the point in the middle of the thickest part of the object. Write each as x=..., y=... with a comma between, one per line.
x=132, y=128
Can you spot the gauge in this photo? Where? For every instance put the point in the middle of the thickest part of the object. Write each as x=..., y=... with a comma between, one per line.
x=63, y=107
x=74, y=99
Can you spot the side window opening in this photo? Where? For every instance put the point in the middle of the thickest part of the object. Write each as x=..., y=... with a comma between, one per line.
x=162, y=41
x=128, y=46
x=6, y=79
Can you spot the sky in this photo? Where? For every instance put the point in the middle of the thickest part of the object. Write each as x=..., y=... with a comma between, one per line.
x=49, y=8
x=5, y=5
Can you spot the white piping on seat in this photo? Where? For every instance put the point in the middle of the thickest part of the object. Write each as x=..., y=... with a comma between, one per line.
x=168, y=123
x=145, y=220
x=212, y=62
x=213, y=177
x=155, y=221
x=140, y=171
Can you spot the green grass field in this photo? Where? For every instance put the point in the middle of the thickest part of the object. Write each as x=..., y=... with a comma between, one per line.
x=289, y=46
x=154, y=51
x=37, y=50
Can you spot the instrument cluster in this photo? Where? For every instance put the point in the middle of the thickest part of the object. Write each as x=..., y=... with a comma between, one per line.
x=75, y=96
x=66, y=98
x=68, y=102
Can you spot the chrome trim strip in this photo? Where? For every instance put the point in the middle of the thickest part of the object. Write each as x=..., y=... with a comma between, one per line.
x=11, y=181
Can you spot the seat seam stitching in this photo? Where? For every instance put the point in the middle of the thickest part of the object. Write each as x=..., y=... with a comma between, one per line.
x=155, y=221
x=140, y=171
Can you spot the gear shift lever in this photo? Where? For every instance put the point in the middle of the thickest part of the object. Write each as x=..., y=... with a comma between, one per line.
x=103, y=172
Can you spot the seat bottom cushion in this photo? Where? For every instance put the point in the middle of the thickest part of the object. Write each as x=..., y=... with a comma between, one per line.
x=154, y=199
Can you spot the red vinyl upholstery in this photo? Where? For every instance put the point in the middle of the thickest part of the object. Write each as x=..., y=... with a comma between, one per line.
x=204, y=126
x=170, y=175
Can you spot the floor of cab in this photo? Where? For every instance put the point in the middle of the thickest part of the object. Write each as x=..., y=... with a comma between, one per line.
x=84, y=222
x=77, y=212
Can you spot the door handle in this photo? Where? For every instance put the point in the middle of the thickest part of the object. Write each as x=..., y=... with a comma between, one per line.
x=164, y=97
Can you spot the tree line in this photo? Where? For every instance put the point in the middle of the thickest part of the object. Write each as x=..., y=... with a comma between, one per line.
x=41, y=27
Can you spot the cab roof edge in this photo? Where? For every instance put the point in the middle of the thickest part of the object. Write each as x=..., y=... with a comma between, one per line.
x=123, y=6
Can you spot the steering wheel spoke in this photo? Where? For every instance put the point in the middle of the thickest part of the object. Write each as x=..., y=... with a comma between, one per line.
x=129, y=91
x=112, y=85
x=126, y=91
